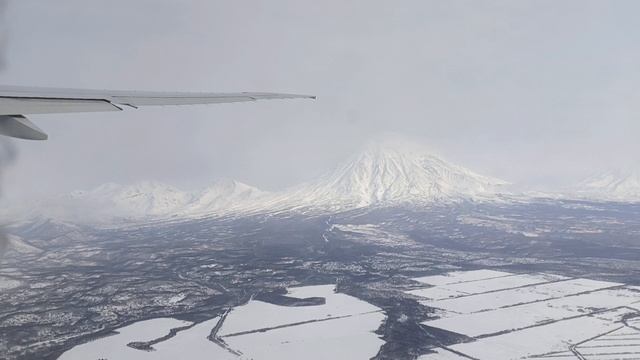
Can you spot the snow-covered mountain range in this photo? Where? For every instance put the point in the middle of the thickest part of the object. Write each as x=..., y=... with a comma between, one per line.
x=383, y=174
x=142, y=200
x=613, y=185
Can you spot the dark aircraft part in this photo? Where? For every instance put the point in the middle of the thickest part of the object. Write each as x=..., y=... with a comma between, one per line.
x=18, y=126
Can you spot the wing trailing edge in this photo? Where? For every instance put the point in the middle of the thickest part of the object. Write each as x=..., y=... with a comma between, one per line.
x=15, y=102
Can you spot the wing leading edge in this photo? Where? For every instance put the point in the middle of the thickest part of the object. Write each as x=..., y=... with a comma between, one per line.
x=15, y=102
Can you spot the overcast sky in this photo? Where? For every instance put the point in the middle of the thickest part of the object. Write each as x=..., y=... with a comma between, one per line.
x=535, y=92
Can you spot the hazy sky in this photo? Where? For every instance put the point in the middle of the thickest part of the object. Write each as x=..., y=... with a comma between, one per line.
x=536, y=92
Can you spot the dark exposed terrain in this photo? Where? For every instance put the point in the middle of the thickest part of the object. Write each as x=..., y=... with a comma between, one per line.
x=87, y=281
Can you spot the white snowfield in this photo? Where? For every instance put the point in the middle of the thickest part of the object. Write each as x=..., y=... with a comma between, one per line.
x=553, y=318
x=507, y=298
x=456, y=277
x=260, y=315
x=342, y=328
x=623, y=338
x=475, y=287
x=187, y=344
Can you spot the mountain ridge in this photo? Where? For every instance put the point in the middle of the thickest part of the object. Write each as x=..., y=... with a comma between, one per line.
x=611, y=185
x=382, y=174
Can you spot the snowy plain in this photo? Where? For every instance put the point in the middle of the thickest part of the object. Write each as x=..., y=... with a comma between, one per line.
x=554, y=318
x=342, y=328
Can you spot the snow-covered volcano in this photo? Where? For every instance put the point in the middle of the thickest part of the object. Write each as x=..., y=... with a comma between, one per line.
x=617, y=185
x=391, y=173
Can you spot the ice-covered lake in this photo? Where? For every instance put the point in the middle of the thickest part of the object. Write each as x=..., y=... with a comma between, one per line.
x=341, y=328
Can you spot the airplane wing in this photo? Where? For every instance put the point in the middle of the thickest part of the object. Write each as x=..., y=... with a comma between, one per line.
x=16, y=102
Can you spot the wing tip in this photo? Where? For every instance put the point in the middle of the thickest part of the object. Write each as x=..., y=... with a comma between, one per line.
x=298, y=96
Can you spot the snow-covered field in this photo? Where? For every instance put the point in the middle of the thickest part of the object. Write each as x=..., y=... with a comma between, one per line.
x=625, y=342
x=516, y=317
x=506, y=316
x=341, y=338
x=475, y=287
x=507, y=298
x=461, y=277
x=342, y=328
x=262, y=315
x=115, y=346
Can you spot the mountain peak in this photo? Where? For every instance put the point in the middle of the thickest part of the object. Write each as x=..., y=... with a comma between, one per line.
x=224, y=194
x=393, y=172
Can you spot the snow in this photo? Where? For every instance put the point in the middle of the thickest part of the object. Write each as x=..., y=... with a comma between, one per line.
x=342, y=328
x=144, y=200
x=152, y=198
x=461, y=276
x=510, y=297
x=383, y=174
x=115, y=346
x=442, y=354
x=616, y=185
x=346, y=338
x=222, y=196
x=259, y=315
x=18, y=245
x=177, y=298
x=391, y=173
x=193, y=344
x=540, y=339
x=475, y=287
x=372, y=234
x=187, y=344
x=518, y=317
x=621, y=343
x=556, y=319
